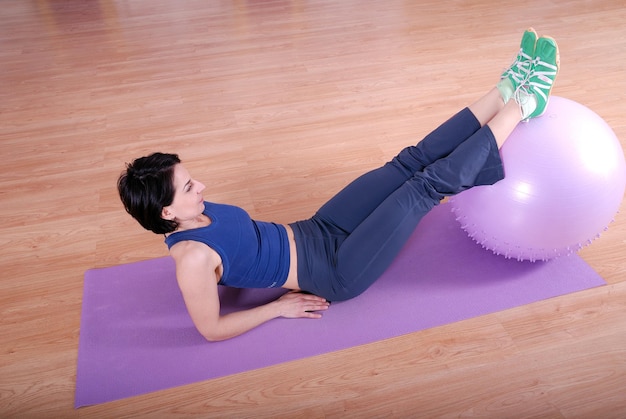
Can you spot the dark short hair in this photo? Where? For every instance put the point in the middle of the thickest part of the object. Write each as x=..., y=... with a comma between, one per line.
x=146, y=187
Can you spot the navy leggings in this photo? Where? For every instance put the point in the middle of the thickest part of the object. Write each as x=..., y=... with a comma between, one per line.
x=354, y=237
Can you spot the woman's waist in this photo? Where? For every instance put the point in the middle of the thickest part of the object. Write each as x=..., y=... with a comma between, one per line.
x=292, y=276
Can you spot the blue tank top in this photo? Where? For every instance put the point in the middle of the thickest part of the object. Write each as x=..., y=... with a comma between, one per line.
x=254, y=254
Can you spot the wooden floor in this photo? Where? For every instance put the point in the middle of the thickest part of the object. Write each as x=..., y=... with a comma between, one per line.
x=275, y=105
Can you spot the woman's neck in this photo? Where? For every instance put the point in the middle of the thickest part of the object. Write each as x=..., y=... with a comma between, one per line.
x=200, y=221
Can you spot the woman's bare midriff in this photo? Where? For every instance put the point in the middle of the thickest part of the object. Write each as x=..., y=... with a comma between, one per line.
x=292, y=277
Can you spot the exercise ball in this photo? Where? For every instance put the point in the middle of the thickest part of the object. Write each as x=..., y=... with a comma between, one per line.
x=564, y=182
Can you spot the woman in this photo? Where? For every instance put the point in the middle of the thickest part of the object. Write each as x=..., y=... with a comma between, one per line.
x=339, y=252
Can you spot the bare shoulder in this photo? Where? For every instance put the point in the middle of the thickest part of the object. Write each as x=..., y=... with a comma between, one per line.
x=196, y=272
x=192, y=255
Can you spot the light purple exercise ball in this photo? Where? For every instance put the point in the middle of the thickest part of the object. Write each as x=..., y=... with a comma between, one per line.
x=564, y=182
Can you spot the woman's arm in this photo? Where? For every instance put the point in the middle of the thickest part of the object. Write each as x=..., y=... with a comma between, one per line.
x=196, y=266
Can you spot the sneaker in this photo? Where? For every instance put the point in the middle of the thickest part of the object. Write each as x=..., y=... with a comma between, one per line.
x=519, y=72
x=527, y=103
x=543, y=73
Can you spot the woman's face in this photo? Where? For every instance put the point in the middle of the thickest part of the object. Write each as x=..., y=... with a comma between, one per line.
x=188, y=201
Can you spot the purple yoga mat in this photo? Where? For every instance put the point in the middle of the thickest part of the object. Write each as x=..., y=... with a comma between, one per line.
x=136, y=336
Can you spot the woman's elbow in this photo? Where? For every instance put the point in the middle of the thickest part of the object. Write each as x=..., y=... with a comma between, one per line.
x=211, y=335
x=213, y=338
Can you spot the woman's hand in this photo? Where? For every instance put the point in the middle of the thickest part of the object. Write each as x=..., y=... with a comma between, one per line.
x=296, y=304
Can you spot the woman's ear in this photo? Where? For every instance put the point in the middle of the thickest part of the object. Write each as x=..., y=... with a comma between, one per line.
x=166, y=214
